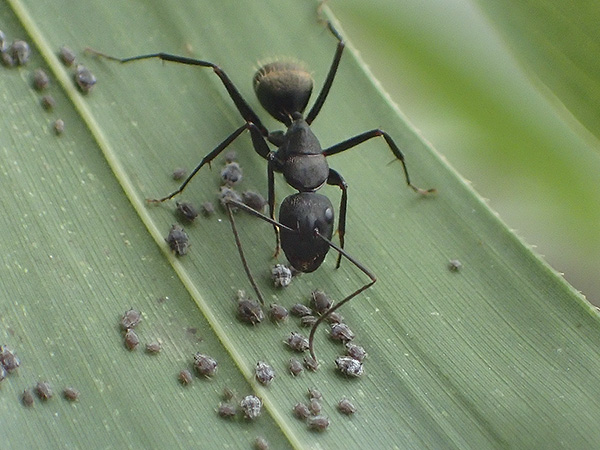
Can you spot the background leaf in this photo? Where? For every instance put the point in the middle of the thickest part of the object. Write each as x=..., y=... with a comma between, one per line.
x=506, y=92
x=503, y=353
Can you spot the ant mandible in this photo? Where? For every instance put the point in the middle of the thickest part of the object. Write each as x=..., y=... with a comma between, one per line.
x=306, y=218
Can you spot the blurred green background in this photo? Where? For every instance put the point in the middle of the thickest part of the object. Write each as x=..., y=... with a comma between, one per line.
x=507, y=93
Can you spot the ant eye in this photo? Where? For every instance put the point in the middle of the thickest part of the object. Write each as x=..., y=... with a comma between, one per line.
x=329, y=215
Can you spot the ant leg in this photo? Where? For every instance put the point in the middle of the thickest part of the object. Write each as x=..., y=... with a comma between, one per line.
x=271, y=177
x=359, y=139
x=262, y=148
x=206, y=160
x=258, y=141
x=238, y=243
x=228, y=204
x=316, y=108
x=242, y=106
x=335, y=179
x=367, y=272
x=320, y=11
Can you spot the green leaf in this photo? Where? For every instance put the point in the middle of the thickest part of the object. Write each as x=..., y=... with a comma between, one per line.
x=502, y=353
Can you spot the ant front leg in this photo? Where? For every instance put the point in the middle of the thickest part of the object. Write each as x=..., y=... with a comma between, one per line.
x=335, y=179
x=316, y=108
x=242, y=106
x=359, y=139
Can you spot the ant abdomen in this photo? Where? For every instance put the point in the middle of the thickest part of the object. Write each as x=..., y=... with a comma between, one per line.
x=310, y=216
x=283, y=88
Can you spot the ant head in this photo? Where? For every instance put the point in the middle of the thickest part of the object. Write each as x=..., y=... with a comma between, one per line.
x=283, y=88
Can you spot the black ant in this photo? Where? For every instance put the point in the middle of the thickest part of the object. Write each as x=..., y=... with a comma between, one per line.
x=305, y=226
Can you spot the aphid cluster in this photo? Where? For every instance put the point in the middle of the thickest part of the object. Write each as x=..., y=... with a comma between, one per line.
x=249, y=407
x=9, y=363
x=320, y=308
x=18, y=54
x=44, y=391
x=350, y=364
x=130, y=320
x=15, y=54
x=231, y=175
x=310, y=412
